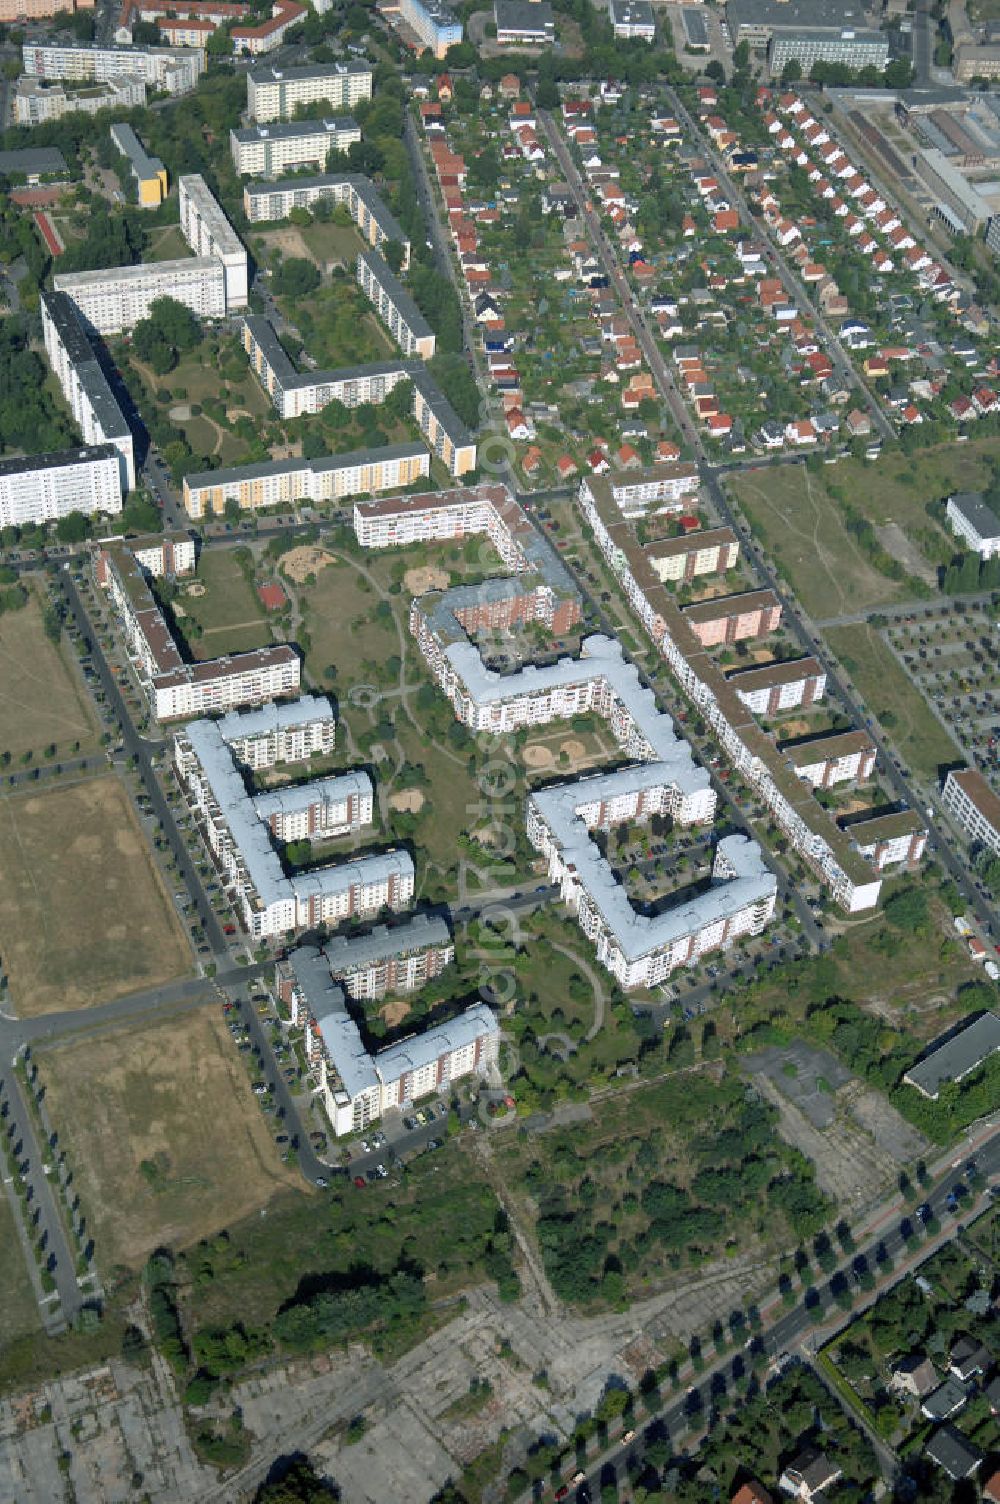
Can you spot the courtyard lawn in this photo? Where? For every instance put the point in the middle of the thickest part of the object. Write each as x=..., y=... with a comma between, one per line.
x=222, y=605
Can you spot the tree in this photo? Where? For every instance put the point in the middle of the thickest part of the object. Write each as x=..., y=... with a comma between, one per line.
x=296, y=277
x=169, y=330
x=716, y=72
x=792, y=71
x=395, y=254
x=298, y=1484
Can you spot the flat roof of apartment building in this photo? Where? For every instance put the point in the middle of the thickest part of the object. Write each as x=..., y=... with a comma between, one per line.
x=274, y=74
x=291, y=130
x=400, y=297
x=826, y=748
x=87, y=369
x=140, y=272
x=56, y=459
x=971, y=505
x=132, y=149
x=346, y=953
x=276, y=716
x=731, y=605
x=359, y=184
x=767, y=675
x=978, y=791
x=689, y=543
x=881, y=828
x=193, y=186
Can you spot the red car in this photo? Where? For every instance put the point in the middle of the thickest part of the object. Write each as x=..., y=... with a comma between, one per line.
x=359, y=1181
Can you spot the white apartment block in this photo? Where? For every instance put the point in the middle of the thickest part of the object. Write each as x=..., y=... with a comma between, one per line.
x=829, y=760
x=296, y=395
x=711, y=551
x=632, y=20
x=241, y=842
x=36, y=101
x=327, y=478
x=975, y=523
x=43, y=487
x=175, y=688
x=83, y=382
x=293, y=731
x=375, y=221
x=397, y=960
x=974, y=806
x=173, y=69
x=318, y=810
x=662, y=488
x=115, y=299
x=357, y=1088
x=394, y=306
x=209, y=233
x=266, y=151
x=436, y=26
x=164, y=555
x=889, y=840
x=853, y=882
x=275, y=93
x=776, y=687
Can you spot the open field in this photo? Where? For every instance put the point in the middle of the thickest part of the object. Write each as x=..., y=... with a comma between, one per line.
x=42, y=699
x=794, y=519
x=889, y=694
x=166, y=1138
x=323, y=244
x=166, y=243
x=84, y=916
x=18, y=1308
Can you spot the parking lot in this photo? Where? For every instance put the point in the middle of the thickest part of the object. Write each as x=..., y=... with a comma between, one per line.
x=950, y=654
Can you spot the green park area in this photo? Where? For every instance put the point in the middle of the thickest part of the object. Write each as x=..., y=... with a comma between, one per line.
x=220, y=611
x=893, y=699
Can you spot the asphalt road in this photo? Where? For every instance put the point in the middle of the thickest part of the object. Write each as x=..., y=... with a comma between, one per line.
x=799, y=1330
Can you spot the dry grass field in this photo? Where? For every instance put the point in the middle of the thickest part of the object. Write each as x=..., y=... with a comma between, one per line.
x=166, y=1138
x=42, y=699
x=84, y=916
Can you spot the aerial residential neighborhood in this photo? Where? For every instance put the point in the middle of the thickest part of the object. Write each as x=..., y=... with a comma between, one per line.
x=499, y=752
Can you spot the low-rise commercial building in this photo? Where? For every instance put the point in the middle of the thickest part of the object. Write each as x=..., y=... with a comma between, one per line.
x=274, y=93
x=960, y=195
x=266, y=151
x=974, y=522
x=524, y=23
x=328, y=478
x=44, y=487
x=971, y=802
x=115, y=299
x=272, y=904
x=710, y=551
x=35, y=100
x=632, y=20
x=83, y=382
x=35, y=164
x=395, y=306
x=434, y=23
x=375, y=221
x=209, y=233
x=176, y=689
x=356, y=1086
x=734, y=618
x=148, y=174
x=397, y=960
x=956, y=1057
x=846, y=757
x=176, y=70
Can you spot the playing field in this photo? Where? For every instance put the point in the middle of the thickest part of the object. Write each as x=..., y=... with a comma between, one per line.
x=84, y=916
x=165, y=1136
x=42, y=699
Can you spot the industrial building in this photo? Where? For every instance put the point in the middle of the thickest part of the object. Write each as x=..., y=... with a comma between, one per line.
x=524, y=23
x=854, y=48
x=956, y=1057
x=974, y=522
x=274, y=93
x=632, y=20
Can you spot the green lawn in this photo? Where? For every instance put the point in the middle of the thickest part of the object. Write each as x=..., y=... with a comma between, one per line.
x=328, y=242
x=893, y=699
x=19, y=1315
x=229, y=612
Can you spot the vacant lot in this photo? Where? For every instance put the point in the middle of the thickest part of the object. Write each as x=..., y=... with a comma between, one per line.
x=166, y=1138
x=18, y=1307
x=84, y=916
x=893, y=699
x=42, y=699
x=795, y=520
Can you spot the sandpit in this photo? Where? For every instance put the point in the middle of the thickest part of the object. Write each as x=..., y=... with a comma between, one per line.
x=410, y=800
x=574, y=750
x=195, y=589
x=536, y=756
x=299, y=563
x=394, y=1013
x=427, y=577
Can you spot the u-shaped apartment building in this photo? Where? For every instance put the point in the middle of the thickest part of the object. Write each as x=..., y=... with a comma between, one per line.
x=638, y=949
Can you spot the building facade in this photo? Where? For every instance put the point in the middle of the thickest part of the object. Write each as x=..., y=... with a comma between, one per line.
x=176, y=70
x=292, y=731
x=711, y=551
x=398, y=960
x=116, y=298
x=328, y=478
x=264, y=36
x=975, y=523
x=436, y=26
x=776, y=687
x=266, y=151
x=209, y=233
x=974, y=806
x=274, y=93
x=44, y=487
x=848, y=757
x=734, y=618
x=36, y=101
x=83, y=382
x=395, y=306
